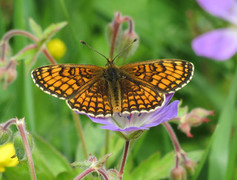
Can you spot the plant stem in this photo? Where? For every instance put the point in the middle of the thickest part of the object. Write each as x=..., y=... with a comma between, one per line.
x=107, y=135
x=103, y=173
x=16, y=32
x=20, y=125
x=48, y=55
x=178, y=150
x=125, y=155
x=9, y=123
x=77, y=121
x=116, y=25
x=84, y=173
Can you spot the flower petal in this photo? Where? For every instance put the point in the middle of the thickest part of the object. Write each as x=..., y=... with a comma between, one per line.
x=225, y=9
x=219, y=44
x=114, y=128
x=7, y=158
x=168, y=112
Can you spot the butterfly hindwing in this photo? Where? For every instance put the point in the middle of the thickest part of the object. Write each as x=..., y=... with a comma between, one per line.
x=139, y=98
x=93, y=101
x=64, y=81
x=166, y=75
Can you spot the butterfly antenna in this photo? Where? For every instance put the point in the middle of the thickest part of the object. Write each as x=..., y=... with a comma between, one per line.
x=125, y=49
x=84, y=43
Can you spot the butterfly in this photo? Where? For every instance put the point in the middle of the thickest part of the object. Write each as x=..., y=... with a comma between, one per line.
x=102, y=91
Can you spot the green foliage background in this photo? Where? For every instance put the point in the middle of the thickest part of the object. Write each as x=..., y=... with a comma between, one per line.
x=166, y=29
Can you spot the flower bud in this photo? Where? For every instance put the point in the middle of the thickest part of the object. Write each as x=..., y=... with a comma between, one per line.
x=8, y=73
x=2, y=72
x=11, y=74
x=192, y=119
x=56, y=48
x=178, y=173
x=190, y=166
x=110, y=34
x=20, y=147
x=127, y=39
x=5, y=135
x=120, y=39
x=186, y=128
x=198, y=116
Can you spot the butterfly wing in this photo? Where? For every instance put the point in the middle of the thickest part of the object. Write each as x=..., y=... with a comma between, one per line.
x=66, y=80
x=136, y=97
x=94, y=101
x=165, y=75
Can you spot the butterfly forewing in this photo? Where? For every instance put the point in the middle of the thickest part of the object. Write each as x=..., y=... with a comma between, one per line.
x=65, y=81
x=166, y=75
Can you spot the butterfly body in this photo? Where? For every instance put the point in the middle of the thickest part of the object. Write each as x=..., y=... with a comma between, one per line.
x=102, y=91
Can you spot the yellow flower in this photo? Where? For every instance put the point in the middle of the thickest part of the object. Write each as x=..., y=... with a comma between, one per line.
x=7, y=156
x=56, y=48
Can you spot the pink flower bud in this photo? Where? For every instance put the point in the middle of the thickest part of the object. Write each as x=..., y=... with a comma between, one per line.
x=127, y=39
x=8, y=73
x=178, y=173
x=186, y=128
x=118, y=38
x=195, y=118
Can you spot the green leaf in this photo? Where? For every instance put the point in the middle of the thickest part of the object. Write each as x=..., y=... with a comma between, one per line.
x=94, y=138
x=25, y=55
x=146, y=169
x=51, y=31
x=219, y=154
x=154, y=167
x=35, y=28
x=82, y=164
x=47, y=159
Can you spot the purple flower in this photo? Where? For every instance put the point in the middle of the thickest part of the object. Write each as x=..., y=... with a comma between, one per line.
x=139, y=121
x=220, y=44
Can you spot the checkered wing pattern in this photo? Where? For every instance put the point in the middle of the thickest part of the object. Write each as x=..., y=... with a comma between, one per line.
x=166, y=75
x=139, y=98
x=93, y=101
x=66, y=80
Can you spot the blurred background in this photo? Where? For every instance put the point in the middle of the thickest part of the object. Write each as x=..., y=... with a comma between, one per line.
x=166, y=29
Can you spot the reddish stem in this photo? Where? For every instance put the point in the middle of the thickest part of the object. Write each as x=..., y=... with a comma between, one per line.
x=103, y=173
x=84, y=173
x=29, y=47
x=48, y=55
x=9, y=123
x=125, y=154
x=12, y=33
x=178, y=150
x=116, y=25
x=21, y=128
x=130, y=23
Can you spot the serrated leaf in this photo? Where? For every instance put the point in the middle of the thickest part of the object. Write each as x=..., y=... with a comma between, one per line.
x=26, y=54
x=35, y=28
x=82, y=164
x=52, y=30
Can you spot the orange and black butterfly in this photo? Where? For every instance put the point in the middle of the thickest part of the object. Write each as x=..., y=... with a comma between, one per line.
x=102, y=91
